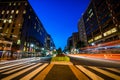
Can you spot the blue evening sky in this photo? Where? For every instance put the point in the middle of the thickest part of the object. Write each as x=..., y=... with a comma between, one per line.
x=60, y=17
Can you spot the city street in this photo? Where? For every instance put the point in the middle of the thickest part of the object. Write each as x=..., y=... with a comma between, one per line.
x=80, y=68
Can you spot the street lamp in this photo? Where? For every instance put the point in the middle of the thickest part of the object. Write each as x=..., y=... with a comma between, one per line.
x=32, y=45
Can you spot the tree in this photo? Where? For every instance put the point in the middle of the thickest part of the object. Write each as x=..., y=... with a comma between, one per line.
x=59, y=50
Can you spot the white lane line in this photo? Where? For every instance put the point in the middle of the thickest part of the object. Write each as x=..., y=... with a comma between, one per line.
x=16, y=64
x=113, y=69
x=92, y=75
x=116, y=77
x=19, y=60
x=12, y=68
x=20, y=72
x=17, y=69
x=30, y=75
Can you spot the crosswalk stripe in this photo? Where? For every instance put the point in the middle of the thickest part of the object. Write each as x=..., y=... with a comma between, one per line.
x=106, y=73
x=11, y=65
x=11, y=68
x=30, y=75
x=17, y=69
x=92, y=75
x=113, y=69
x=78, y=73
x=43, y=74
x=20, y=72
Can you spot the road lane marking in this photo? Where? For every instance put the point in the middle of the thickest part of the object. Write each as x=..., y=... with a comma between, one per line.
x=11, y=65
x=78, y=74
x=43, y=74
x=18, y=69
x=30, y=75
x=92, y=75
x=113, y=69
x=20, y=72
x=106, y=73
x=11, y=68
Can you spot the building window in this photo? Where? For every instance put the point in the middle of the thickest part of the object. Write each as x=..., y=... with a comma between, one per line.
x=10, y=21
x=1, y=28
x=12, y=11
x=10, y=4
x=113, y=30
x=19, y=24
x=18, y=42
x=3, y=11
x=14, y=4
x=24, y=12
x=19, y=4
x=5, y=21
x=26, y=4
x=98, y=37
x=91, y=40
x=11, y=16
x=8, y=11
x=34, y=27
x=29, y=16
x=7, y=30
x=90, y=11
x=17, y=11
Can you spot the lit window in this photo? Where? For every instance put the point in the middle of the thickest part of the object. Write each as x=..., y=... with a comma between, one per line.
x=7, y=30
x=18, y=42
x=98, y=37
x=10, y=21
x=25, y=44
x=19, y=24
x=7, y=11
x=29, y=17
x=91, y=40
x=90, y=11
x=24, y=12
x=14, y=36
x=5, y=21
x=17, y=11
x=91, y=15
x=10, y=4
x=0, y=27
x=34, y=27
x=19, y=4
x=3, y=11
x=24, y=49
x=12, y=11
x=26, y=4
x=38, y=30
x=14, y=4
x=11, y=16
x=114, y=30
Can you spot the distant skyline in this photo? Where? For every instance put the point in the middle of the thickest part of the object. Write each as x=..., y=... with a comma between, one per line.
x=60, y=17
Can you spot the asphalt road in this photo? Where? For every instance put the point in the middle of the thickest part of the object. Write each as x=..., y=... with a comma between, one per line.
x=80, y=60
x=82, y=69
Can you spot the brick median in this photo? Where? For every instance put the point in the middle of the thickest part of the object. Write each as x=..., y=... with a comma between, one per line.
x=67, y=67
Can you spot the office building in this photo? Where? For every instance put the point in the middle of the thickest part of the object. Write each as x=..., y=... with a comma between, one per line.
x=20, y=25
x=81, y=31
x=102, y=21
